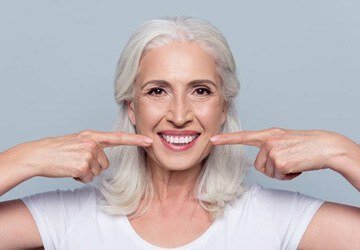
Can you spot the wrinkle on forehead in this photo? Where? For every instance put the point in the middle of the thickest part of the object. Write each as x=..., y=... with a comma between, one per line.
x=177, y=62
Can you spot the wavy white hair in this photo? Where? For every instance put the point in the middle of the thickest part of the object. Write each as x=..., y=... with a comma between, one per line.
x=128, y=180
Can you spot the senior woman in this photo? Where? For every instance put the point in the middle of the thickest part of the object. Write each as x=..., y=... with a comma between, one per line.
x=172, y=181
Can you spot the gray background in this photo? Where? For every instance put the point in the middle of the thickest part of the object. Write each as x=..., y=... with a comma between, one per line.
x=298, y=64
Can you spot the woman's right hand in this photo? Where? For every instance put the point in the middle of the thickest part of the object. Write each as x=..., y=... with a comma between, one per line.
x=78, y=155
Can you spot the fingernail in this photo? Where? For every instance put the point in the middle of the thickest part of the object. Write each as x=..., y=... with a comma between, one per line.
x=215, y=139
x=147, y=140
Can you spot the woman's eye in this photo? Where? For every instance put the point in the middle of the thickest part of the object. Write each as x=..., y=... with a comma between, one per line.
x=202, y=91
x=155, y=91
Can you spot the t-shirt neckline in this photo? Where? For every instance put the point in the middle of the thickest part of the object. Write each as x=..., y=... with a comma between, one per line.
x=143, y=242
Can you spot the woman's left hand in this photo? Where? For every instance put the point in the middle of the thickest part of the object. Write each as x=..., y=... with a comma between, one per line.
x=285, y=153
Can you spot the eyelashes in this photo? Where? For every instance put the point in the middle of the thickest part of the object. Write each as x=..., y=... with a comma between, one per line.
x=156, y=91
x=203, y=90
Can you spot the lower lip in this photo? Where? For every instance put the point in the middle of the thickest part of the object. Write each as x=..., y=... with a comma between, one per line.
x=172, y=147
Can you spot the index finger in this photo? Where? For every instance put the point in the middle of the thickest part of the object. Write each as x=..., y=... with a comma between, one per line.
x=251, y=138
x=117, y=138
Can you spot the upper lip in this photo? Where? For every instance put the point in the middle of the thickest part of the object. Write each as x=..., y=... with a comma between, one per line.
x=179, y=132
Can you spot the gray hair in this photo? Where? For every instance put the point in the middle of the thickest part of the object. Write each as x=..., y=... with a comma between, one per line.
x=129, y=180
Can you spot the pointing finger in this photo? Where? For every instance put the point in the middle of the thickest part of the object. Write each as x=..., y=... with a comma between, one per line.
x=117, y=138
x=251, y=138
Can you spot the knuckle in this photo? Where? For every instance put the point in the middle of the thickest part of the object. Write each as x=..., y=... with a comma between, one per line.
x=119, y=133
x=96, y=168
x=282, y=167
x=243, y=137
x=290, y=167
x=86, y=132
x=273, y=155
x=268, y=145
x=257, y=164
x=89, y=178
x=88, y=157
x=261, y=167
x=279, y=162
x=266, y=169
x=107, y=163
x=225, y=137
x=120, y=136
x=90, y=144
x=76, y=172
x=278, y=131
x=83, y=168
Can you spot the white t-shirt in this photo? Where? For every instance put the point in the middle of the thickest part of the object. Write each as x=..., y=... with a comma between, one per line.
x=262, y=218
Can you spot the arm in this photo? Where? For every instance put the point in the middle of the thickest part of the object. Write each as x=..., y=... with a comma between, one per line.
x=13, y=173
x=80, y=156
x=337, y=226
x=20, y=230
x=334, y=226
x=347, y=161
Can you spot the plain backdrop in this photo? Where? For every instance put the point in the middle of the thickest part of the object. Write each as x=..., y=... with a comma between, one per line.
x=298, y=64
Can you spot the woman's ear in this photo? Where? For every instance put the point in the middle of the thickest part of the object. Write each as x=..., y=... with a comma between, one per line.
x=131, y=112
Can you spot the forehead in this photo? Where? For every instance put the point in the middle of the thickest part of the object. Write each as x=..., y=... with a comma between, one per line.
x=177, y=61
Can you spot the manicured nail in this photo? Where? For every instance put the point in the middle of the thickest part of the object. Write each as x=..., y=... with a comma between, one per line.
x=215, y=139
x=148, y=140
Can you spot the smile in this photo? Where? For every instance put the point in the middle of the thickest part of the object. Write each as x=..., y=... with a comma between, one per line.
x=178, y=142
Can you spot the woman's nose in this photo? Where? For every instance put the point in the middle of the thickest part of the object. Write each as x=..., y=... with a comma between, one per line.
x=179, y=112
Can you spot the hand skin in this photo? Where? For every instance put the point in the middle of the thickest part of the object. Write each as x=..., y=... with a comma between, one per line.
x=78, y=155
x=284, y=154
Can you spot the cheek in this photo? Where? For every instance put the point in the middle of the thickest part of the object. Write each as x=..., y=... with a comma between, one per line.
x=209, y=116
x=148, y=115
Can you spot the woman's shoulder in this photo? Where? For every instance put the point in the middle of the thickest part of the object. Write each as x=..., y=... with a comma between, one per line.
x=279, y=217
x=272, y=200
x=56, y=211
x=79, y=193
x=68, y=202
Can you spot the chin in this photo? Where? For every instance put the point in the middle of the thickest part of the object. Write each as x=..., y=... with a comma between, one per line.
x=178, y=167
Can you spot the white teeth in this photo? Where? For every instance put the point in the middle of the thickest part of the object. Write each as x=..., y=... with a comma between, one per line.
x=179, y=139
x=187, y=139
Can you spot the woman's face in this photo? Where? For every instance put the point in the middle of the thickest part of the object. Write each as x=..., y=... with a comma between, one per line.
x=177, y=91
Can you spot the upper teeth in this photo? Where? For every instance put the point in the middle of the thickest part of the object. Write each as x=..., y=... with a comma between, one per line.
x=178, y=139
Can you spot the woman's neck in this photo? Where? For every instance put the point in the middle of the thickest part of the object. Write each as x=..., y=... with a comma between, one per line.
x=173, y=186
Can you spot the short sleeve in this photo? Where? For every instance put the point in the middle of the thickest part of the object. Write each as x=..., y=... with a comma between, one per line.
x=55, y=211
x=290, y=213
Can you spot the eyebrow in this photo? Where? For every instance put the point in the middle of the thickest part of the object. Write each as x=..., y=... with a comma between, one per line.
x=166, y=83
